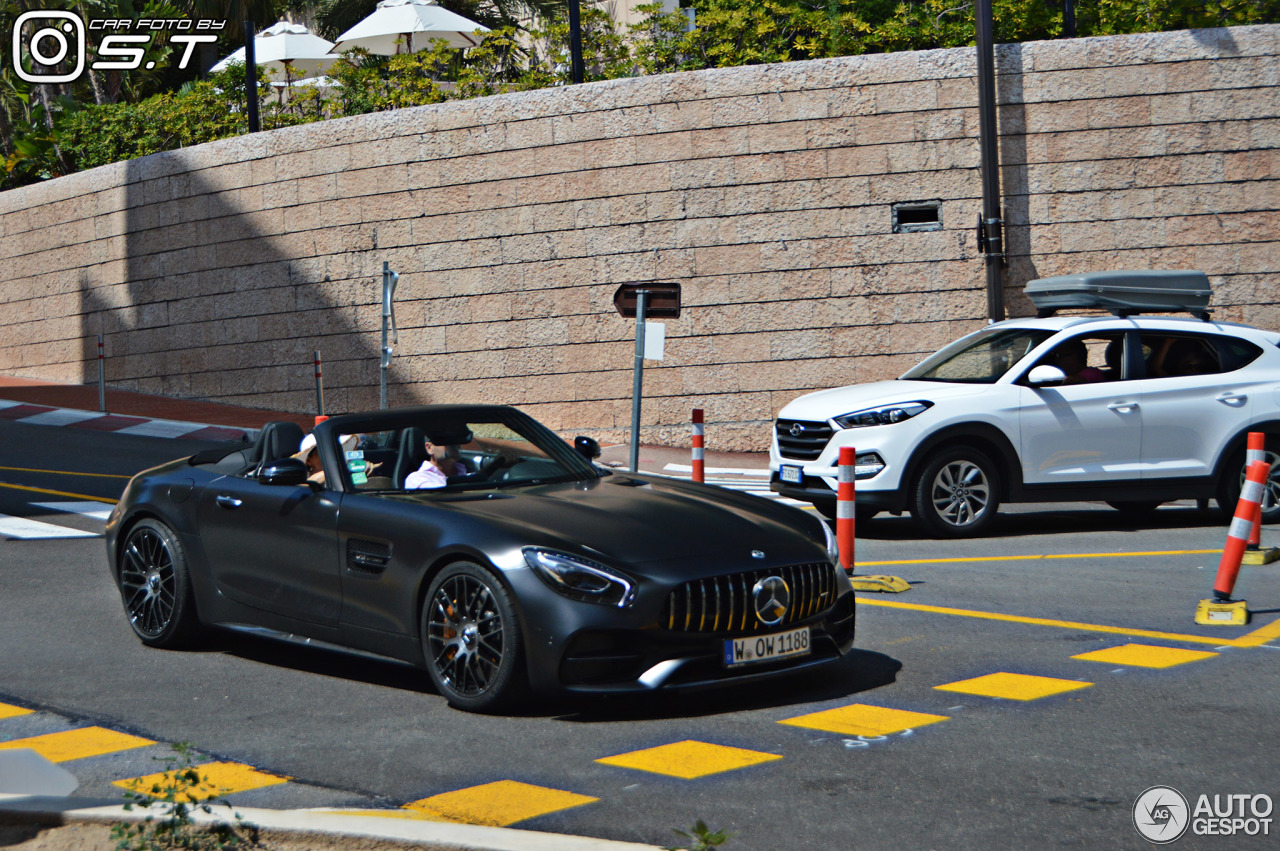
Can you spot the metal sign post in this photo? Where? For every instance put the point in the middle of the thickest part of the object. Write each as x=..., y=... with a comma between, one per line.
x=659, y=301
x=389, y=281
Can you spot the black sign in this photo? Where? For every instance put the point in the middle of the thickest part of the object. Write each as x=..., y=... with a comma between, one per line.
x=663, y=301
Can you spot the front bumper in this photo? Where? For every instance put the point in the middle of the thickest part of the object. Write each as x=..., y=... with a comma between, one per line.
x=814, y=489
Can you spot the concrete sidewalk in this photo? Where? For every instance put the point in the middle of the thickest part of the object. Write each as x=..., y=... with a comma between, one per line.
x=34, y=402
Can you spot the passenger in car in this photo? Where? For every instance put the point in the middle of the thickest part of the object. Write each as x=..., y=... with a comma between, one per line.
x=308, y=455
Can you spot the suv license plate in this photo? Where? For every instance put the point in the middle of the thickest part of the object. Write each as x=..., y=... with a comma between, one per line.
x=793, y=475
x=764, y=648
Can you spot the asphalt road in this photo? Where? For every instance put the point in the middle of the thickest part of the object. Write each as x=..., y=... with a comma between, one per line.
x=966, y=771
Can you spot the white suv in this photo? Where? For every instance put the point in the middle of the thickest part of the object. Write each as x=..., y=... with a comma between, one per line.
x=1133, y=410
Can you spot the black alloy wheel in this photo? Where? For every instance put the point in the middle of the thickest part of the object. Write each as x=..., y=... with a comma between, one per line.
x=957, y=494
x=471, y=638
x=156, y=587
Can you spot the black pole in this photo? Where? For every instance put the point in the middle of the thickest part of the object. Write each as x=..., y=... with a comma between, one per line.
x=575, y=41
x=988, y=141
x=1068, y=18
x=251, y=77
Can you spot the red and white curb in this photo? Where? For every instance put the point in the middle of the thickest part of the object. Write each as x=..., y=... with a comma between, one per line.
x=43, y=415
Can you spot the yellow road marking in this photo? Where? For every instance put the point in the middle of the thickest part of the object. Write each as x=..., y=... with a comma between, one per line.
x=1253, y=639
x=861, y=720
x=689, y=760
x=216, y=779
x=1044, y=557
x=7, y=711
x=1014, y=686
x=65, y=472
x=496, y=804
x=58, y=493
x=78, y=744
x=1145, y=656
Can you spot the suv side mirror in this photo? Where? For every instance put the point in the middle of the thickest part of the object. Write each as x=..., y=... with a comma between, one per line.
x=1046, y=376
x=283, y=471
x=587, y=447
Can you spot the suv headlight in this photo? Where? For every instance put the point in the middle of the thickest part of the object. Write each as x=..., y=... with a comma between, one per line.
x=885, y=415
x=580, y=579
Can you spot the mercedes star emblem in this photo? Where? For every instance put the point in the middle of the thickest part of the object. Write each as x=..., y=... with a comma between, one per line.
x=771, y=597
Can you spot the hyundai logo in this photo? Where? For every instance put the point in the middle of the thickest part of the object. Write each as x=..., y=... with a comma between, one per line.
x=771, y=597
x=796, y=429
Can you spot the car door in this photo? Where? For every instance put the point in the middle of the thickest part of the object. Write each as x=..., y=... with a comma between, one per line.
x=1083, y=432
x=273, y=547
x=1194, y=399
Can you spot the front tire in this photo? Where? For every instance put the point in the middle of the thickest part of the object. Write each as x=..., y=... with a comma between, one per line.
x=957, y=494
x=471, y=638
x=155, y=586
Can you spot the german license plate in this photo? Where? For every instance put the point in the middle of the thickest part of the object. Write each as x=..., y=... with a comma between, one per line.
x=793, y=475
x=764, y=648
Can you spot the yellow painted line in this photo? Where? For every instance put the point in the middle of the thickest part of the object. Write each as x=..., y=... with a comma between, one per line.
x=7, y=711
x=1045, y=557
x=497, y=804
x=216, y=779
x=58, y=493
x=689, y=760
x=1014, y=686
x=1145, y=656
x=78, y=744
x=862, y=720
x=1253, y=639
x=65, y=472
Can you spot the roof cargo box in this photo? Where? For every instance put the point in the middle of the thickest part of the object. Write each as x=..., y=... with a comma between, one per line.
x=1123, y=293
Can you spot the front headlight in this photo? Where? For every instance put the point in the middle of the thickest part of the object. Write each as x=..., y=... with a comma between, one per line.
x=580, y=579
x=885, y=415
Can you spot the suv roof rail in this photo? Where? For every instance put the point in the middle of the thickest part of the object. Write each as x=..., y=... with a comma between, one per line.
x=1124, y=293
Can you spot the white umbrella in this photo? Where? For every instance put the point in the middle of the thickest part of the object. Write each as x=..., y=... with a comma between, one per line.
x=291, y=48
x=409, y=25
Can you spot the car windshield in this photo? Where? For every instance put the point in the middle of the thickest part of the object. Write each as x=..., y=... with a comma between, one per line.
x=463, y=451
x=979, y=358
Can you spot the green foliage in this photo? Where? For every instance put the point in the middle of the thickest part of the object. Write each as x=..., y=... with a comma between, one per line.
x=703, y=838
x=171, y=799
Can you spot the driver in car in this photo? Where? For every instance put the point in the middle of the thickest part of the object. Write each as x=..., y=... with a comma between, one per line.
x=442, y=462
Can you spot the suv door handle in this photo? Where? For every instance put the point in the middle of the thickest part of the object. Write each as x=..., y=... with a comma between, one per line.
x=1232, y=398
x=227, y=501
x=1123, y=407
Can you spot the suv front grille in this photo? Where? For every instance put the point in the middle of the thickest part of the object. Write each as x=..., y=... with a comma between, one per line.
x=723, y=604
x=802, y=440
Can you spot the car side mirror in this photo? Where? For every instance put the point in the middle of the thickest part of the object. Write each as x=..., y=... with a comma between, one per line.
x=587, y=447
x=283, y=471
x=1046, y=376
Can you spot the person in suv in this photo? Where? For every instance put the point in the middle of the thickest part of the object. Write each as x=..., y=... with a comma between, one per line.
x=1159, y=410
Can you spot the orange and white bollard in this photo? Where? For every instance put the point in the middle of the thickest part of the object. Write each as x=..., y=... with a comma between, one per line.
x=699, y=460
x=845, y=499
x=1222, y=609
x=1257, y=451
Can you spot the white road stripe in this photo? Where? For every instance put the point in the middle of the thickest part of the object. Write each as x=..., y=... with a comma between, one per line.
x=60, y=417
x=160, y=428
x=27, y=529
x=96, y=510
x=736, y=471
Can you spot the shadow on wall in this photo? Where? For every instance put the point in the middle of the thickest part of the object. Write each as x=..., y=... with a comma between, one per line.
x=1015, y=181
x=241, y=322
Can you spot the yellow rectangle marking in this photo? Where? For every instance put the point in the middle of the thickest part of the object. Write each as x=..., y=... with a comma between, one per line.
x=7, y=711
x=78, y=744
x=689, y=760
x=862, y=720
x=497, y=804
x=216, y=779
x=1014, y=686
x=1146, y=656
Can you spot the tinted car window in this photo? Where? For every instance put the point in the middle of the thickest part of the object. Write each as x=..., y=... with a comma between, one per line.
x=981, y=358
x=1175, y=355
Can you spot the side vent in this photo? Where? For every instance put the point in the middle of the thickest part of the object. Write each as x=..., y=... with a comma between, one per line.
x=367, y=558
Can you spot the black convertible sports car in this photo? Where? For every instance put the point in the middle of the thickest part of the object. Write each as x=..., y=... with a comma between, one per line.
x=512, y=561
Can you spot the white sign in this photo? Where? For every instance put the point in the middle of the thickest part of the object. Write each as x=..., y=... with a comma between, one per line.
x=655, y=340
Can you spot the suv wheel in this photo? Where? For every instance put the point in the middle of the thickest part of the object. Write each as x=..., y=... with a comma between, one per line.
x=1232, y=482
x=957, y=494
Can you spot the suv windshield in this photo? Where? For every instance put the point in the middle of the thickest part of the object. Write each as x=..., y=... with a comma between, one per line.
x=980, y=358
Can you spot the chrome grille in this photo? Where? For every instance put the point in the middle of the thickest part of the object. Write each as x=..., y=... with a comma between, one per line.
x=723, y=604
x=805, y=446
